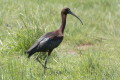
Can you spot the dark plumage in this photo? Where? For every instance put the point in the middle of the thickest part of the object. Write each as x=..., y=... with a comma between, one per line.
x=47, y=42
x=51, y=40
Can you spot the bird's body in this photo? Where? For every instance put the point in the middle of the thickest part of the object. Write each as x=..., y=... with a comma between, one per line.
x=46, y=42
x=51, y=40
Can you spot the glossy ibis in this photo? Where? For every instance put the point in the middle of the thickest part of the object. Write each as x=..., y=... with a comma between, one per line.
x=51, y=40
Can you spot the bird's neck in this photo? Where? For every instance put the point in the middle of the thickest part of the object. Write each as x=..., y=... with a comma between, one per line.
x=63, y=22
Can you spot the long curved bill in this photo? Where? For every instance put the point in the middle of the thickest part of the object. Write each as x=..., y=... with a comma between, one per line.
x=75, y=16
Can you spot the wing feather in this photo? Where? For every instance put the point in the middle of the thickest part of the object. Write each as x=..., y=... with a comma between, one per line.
x=38, y=42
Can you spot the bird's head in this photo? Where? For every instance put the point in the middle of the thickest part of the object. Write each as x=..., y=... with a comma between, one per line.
x=68, y=11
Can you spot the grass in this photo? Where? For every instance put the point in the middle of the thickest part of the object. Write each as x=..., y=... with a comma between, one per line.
x=88, y=52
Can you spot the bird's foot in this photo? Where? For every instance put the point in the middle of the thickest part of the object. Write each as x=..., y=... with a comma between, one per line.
x=46, y=67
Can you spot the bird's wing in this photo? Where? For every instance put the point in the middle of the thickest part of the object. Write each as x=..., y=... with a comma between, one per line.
x=50, y=42
x=42, y=38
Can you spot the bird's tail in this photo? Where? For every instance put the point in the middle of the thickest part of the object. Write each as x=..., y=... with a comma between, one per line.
x=29, y=54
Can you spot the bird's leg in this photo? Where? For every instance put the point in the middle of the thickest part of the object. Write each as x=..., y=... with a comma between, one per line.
x=46, y=59
x=37, y=58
